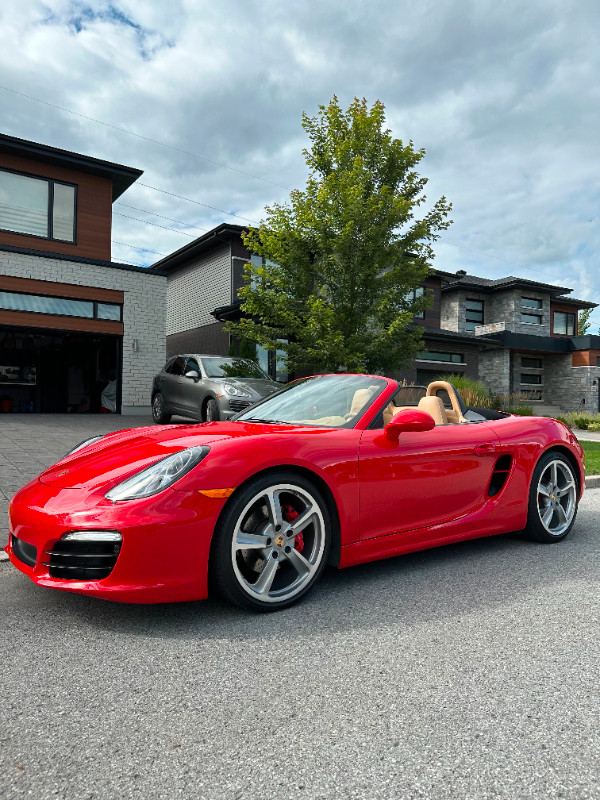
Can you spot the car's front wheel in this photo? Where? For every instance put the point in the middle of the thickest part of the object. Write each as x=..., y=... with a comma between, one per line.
x=553, y=498
x=159, y=414
x=211, y=410
x=271, y=543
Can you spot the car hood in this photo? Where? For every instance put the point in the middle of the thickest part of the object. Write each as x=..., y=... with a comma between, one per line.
x=118, y=455
x=251, y=385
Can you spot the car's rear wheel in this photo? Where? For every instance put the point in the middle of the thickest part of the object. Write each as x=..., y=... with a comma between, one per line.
x=553, y=498
x=271, y=544
x=211, y=410
x=159, y=415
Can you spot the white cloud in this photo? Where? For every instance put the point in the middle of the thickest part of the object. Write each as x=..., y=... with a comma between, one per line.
x=503, y=96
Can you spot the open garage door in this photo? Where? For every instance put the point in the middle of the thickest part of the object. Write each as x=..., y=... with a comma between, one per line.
x=52, y=371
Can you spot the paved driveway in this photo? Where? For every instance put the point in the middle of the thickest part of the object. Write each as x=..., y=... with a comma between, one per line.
x=469, y=671
x=31, y=442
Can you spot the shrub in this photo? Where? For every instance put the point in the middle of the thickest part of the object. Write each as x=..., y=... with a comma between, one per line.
x=581, y=419
x=594, y=426
x=521, y=411
x=474, y=393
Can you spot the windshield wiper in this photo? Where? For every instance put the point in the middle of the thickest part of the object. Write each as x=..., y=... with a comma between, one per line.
x=267, y=421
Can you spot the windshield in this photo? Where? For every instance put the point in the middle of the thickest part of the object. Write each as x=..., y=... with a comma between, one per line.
x=232, y=368
x=328, y=401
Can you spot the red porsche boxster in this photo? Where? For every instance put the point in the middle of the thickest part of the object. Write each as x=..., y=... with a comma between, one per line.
x=337, y=469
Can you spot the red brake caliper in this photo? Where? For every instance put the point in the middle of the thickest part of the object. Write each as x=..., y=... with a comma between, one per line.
x=289, y=515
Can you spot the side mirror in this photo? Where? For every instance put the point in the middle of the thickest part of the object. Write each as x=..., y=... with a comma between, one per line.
x=410, y=419
x=193, y=374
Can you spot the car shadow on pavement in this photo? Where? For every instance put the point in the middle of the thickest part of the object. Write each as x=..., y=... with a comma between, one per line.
x=434, y=585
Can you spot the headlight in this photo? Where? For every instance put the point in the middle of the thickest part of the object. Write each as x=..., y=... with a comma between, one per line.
x=81, y=445
x=235, y=391
x=159, y=476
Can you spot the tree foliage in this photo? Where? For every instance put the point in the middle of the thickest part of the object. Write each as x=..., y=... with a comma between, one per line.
x=342, y=258
x=583, y=323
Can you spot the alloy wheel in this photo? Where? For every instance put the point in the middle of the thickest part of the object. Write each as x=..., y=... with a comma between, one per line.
x=278, y=543
x=556, y=497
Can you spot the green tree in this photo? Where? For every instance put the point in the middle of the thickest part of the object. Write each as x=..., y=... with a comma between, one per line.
x=342, y=258
x=583, y=323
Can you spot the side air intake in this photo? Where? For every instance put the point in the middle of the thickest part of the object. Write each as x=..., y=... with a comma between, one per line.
x=499, y=475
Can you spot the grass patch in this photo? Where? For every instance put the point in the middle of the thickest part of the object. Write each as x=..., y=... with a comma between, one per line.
x=592, y=457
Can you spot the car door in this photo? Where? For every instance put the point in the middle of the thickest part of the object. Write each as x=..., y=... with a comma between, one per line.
x=170, y=383
x=191, y=390
x=425, y=478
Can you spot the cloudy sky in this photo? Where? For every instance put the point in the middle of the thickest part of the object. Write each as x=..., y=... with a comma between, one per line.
x=207, y=97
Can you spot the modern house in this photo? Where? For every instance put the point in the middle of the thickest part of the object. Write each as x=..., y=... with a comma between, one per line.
x=71, y=320
x=518, y=336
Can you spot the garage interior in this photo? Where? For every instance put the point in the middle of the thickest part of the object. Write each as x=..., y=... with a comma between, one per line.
x=53, y=371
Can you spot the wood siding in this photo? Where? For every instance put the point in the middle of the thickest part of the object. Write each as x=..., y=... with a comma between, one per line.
x=29, y=319
x=93, y=213
x=585, y=358
x=52, y=289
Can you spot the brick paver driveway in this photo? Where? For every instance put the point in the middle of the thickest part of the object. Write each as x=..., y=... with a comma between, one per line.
x=31, y=442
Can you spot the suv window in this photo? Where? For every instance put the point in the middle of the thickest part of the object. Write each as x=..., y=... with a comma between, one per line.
x=192, y=363
x=177, y=366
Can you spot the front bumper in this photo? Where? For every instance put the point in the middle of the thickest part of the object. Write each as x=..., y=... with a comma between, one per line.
x=165, y=545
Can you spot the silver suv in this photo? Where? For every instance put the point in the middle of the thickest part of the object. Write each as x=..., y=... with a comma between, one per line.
x=207, y=387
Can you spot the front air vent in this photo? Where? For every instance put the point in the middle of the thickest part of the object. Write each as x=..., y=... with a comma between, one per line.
x=26, y=553
x=499, y=475
x=86, y=560
x=239, y=405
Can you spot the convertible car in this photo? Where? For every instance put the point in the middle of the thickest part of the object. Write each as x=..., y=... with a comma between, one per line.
x=338, y=469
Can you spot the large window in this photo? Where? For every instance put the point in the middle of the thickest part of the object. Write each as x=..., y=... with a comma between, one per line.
x=531, y=319
x=535, y=380
x=564, y=323
x=62, y=306
x=474, y=314
x=37, y=206
x=531, y=302
x=454, y=358
x=412, y=296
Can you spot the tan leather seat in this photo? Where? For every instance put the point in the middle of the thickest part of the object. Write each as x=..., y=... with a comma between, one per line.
x=434, y=407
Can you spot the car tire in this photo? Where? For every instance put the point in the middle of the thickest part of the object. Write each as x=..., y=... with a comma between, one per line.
x=271, y=543
x=553, y=499
x=211, y=410
x=159, y=414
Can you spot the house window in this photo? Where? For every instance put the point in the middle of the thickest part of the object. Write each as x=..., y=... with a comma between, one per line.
x=531, y=363
x=61, y=306
x=474, y=314
x=564, y=323
x=37, y=206
x=531, y=379
x=531, y=319
x=454, y=358
x=411, y=296
x=531, y=302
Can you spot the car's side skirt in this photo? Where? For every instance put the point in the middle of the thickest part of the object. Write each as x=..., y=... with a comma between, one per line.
x=468, y=527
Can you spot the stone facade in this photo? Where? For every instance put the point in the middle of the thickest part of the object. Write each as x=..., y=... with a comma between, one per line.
x=572, y=388
x=143, y=313
x=494, y=370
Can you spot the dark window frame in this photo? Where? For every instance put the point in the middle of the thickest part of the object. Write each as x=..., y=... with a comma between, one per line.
x=455, y=358
x=63, y=297
x=531, y=380
x=50, y=182
x=536, y=319
x=567, y=315
x=477, y=320
x=539, y=303
x=539, y=364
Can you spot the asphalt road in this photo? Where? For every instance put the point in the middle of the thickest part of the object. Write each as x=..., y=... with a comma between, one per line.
x=470, y=671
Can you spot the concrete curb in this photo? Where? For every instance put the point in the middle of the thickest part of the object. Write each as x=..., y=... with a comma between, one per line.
x=592, y=482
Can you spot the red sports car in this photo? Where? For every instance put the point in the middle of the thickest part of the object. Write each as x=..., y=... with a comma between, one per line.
x=337, y=469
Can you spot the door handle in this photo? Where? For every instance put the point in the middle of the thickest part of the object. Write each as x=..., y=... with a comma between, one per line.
x=484, y=449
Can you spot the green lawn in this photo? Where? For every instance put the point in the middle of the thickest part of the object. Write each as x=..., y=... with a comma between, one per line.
x=592, y=457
